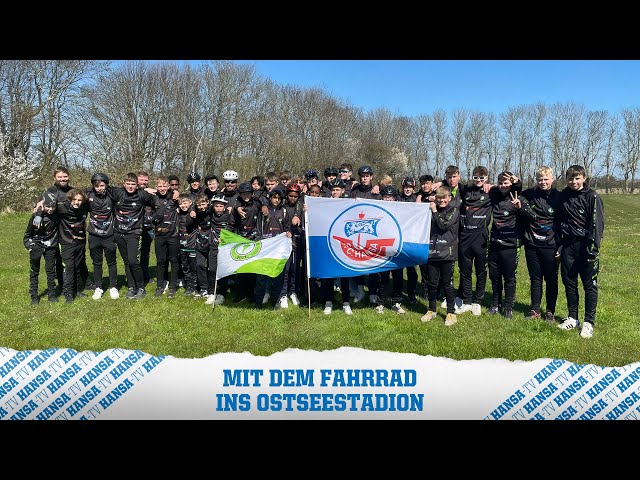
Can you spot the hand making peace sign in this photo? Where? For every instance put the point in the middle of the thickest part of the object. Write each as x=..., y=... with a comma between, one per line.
x=515, y=200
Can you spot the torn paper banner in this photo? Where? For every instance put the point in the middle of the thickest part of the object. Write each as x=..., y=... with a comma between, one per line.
x=346, y=383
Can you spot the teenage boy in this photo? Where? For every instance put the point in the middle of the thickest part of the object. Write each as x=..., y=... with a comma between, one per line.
x=130, y=203
x=165, y=221
x=294, y=208
x=146, y=234
x=330, y=174
x=42, y=241
x=538, y=207
x=73, y=237
x=327, y=291
x=245, y=219
x=443, y=252
x=102, y=243
x=581, y=222
x=276, y=221
x=425, y=194
x=504, y=247
x=187, y=239
x=195, y=187
x=203, y=245
x=364, y=189
x=408, y=195
x=378, y=281
x=346, y=175
x=475, y=218
x=212, y=186
x=220, y=218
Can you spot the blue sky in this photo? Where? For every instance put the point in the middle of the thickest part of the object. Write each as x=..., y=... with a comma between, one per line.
x=414, y=87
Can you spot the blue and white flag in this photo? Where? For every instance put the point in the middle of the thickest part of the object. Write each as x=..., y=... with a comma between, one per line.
x=351, y=237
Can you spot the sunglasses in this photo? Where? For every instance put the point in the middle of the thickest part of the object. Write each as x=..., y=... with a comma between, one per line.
x=344, y=171
x=230, y=181
x=479, y=177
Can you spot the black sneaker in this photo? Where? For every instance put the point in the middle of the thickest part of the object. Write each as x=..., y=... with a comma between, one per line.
x=68, y=298
x=91, y=286
x=53, y=298
x=508, y=313
x=81, y=295
x=130, y=293
x=171, y=293
x=494, y=310
x=238, y=298
x=532, y=315
x=141, y=294
x=550, y=318
x=412, y=301
x=188, y=292
x=35, y=300
x=159, y=292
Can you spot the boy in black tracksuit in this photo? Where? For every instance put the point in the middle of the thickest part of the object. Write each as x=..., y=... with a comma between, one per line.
x=246, y=219
x=581, y=225
x=426, y=191
x=187, y=238
x=408, y=195
x=326, y=292
x=101, y=235
x=130, y=203
x=506, y=238
x=203, y=245
x=220, y=218
x=473, y=246
x=364, y=189
x=538, y=207
x=73, y=238
x=443, y=252
x=294, y=206
x=43, y=242
x=276, y=221
x=165, y=221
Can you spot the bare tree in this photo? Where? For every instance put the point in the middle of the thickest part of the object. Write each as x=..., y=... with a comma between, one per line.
x=629, y=146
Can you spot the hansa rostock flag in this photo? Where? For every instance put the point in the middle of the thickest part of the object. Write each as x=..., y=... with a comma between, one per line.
x=351, y=237
x=237, y=254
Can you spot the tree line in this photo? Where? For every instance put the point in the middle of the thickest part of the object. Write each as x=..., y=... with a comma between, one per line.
x=174, y=117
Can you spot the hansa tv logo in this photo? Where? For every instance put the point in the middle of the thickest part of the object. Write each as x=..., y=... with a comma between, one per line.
x=364, y=236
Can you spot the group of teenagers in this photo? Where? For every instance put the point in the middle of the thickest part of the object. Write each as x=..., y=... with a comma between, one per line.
x=474, y=224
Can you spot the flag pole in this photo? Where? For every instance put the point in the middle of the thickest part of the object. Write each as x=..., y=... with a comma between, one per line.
x=308, y=269
x=215, y=289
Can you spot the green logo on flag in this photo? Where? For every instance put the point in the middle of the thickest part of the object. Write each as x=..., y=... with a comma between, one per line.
x=245, y=251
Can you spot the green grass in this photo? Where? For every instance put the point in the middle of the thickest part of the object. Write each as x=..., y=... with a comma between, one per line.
x=185, y=327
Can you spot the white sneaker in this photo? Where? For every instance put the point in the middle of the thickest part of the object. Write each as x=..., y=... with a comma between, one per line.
x=284, y=303
x=373, y=299
x=569, y=323
x=294, y=299
x=396, y=307
x=444, y=303
x=379, y=309
x=114, y=293
x=266, y=298
x=180, y=283
x=347, y=308
x=587, y=330
x=476, y=309
x=359, y=295
x=464, y=308
x=328, y=307
x=427, y=317
x=210, y=299
x=219, y=299
x=97, y=294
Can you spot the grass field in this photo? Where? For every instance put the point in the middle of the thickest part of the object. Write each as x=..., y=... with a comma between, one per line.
x=185, y=327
